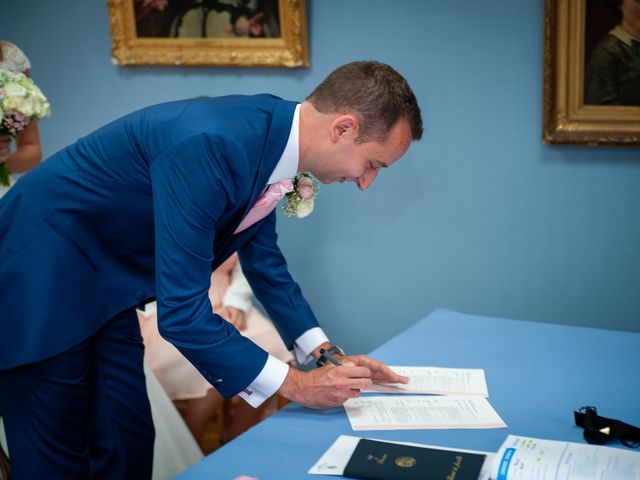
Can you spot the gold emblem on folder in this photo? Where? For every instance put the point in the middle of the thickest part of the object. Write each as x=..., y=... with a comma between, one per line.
x=405, y=462
x=379, y=460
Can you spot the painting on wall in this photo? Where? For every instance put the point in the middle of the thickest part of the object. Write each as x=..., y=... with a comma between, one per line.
x=591, y=72
x=243, y=33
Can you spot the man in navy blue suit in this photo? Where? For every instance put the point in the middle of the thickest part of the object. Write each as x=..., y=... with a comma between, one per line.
x=144, y=208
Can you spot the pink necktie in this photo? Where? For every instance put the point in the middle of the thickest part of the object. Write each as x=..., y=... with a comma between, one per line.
x=266, y=203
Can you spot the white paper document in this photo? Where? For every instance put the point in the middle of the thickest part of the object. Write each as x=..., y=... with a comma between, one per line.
x=524, y=458
x=335, y=459
x=436, y=380
x=414, y=412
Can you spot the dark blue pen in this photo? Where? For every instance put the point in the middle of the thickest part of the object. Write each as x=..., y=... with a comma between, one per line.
x=330, y=357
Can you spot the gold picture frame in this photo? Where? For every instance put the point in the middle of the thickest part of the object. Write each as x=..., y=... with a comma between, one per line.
x=566, y=117
x=141, y=35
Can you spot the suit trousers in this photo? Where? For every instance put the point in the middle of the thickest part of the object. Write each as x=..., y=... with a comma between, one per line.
x=83, y=413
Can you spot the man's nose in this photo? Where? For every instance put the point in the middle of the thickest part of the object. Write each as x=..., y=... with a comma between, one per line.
x=367, y=179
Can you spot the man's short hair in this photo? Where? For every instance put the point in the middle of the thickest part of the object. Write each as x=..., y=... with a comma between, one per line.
x=372, y=91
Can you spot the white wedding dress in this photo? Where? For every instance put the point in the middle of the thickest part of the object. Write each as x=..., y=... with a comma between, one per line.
x=175, y=448
x=3, y=439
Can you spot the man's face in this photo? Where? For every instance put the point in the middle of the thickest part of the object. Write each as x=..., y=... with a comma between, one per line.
x=349, y=161
x=631, y=14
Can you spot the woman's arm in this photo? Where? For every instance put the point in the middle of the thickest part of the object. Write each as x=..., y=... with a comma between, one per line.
x=28, y=152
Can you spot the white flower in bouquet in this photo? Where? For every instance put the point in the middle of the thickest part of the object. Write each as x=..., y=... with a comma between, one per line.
x=21, y=102
x=300, y=201
x=305, y=208
x=14, y=91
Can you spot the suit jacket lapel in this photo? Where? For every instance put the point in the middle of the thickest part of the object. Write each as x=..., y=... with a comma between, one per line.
x=274, y=144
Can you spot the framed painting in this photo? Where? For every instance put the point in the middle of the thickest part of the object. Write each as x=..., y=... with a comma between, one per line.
x=240, y=33
x=591, y=90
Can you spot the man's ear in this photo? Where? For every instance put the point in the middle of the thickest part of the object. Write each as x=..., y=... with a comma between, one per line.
x=344, y=126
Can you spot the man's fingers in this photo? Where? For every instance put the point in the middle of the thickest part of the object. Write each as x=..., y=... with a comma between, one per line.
x=352, y=372
x=332, y=385
x=390, y=379
x=387, y=375
x=341, y=395
x=353, y=383
x=381, y=372
x=363, y=383
x=400, y=378
x=356, y=380
x=352, y=393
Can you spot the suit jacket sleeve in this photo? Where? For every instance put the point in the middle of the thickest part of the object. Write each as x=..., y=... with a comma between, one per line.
x=266, y=269
x=191, y=189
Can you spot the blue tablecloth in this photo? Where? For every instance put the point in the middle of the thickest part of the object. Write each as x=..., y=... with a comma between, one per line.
x=537, y=374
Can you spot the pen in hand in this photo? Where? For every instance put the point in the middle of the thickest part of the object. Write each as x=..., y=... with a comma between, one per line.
x=330, y=357
x=334, y=360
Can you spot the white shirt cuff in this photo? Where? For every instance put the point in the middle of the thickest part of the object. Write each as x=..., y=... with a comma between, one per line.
x=306, y=343
x=268, y=381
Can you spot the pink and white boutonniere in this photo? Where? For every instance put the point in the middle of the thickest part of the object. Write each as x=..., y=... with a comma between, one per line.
x=300, y=200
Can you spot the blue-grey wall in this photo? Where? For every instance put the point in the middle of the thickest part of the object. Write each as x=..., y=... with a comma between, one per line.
x=479, y=216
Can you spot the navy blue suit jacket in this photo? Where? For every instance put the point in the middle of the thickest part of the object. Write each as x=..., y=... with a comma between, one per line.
x=146, y=207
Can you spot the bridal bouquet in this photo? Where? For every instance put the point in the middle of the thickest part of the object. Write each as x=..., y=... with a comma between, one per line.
x=21, y=102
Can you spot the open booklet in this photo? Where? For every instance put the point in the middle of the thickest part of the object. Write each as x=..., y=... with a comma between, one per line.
x=525, y=458
x=519, y=458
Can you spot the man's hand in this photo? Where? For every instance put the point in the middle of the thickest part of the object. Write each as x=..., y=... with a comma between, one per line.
x=234, y=316
x=380, y=373
x=325, y=387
